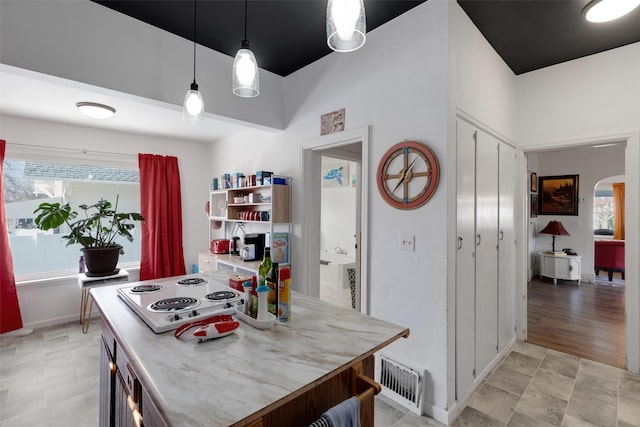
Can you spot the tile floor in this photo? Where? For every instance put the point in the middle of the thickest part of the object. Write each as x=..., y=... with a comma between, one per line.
x=534, y=386
x=50, y=378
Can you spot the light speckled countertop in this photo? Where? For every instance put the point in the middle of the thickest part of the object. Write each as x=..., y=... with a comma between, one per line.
x=223, y=381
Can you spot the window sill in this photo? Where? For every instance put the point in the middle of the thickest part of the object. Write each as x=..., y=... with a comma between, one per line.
x=63, y=277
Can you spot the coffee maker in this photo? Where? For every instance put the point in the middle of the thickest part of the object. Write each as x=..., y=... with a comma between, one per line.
x=253, y=247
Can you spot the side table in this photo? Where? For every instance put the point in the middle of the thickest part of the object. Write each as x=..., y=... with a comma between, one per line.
x=85, y=282
x=564, y=267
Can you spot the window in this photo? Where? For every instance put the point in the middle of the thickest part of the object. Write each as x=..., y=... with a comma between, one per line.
x=43, y=254
x=603, y=212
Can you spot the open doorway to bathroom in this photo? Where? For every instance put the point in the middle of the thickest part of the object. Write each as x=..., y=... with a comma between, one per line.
x=338, y=226
x=352, y=147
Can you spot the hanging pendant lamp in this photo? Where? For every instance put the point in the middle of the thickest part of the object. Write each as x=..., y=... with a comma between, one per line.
x=193, y=108
x=346, y=25
x=246, y=81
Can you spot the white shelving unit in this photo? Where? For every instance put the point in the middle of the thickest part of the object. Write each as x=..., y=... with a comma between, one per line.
x=262, y=209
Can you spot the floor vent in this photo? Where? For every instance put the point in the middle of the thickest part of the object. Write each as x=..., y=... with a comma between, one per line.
x=403, y=384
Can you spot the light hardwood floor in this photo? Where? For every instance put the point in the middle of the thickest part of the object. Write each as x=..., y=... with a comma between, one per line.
x=586, y=321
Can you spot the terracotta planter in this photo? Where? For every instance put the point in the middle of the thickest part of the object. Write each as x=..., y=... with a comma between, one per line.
x=101, y=261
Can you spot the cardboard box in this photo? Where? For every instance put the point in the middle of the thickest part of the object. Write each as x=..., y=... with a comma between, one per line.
x=280, y=248
x=237, y=280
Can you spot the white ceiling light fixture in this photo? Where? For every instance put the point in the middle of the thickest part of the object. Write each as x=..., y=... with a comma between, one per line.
x=246, y=81
x=193, y=108
x=95, y=110
x=608, y=10
x=346, y=25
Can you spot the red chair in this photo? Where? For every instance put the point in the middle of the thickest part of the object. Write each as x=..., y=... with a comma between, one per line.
x=609, y=256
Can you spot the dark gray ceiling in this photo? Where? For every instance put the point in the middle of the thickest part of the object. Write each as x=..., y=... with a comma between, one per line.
x=290, y=34
x=530, y=35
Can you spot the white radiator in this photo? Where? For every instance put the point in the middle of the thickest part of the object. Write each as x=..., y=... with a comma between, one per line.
x=401, y=383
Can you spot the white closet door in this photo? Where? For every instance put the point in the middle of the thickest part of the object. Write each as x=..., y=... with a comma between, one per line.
x=465, y=263
x=506, y=246
x=486, y=250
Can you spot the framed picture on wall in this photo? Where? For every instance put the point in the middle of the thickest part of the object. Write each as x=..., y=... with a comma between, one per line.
x=558, y=195
x=534, y=182
x=533, y=209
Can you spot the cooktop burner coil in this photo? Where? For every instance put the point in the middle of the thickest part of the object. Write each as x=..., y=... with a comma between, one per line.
x=145, y=289
x=220, y=296
x=192, y=281
x=173, y=304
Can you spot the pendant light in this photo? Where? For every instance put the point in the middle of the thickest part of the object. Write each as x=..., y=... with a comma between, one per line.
x=193, y=108
x=246, y=82
x=346, y=25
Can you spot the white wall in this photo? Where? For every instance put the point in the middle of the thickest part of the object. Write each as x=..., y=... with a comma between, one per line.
x=592, y=165
x=338, y=212
x=582, y=99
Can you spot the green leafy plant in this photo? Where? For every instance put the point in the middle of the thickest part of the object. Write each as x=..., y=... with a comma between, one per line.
x=98, y=227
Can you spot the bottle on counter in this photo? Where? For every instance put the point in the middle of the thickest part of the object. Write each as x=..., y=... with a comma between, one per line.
x=247, y=297
x=284, y=293
x=264, y=267
x=254, y=297
x=81, y=264
x=263, y=312
x=272, y=284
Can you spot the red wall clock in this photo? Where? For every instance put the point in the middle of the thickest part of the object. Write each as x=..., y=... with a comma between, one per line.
x=408, y=175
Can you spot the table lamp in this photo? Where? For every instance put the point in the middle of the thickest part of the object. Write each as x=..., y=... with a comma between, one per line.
x=554, y=228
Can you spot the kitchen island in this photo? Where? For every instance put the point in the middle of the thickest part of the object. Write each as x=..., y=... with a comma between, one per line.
x=286, y=375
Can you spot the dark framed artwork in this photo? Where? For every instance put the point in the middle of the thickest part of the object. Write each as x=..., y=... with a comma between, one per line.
x=558, y=195
x=533, y=209
x=534, y=182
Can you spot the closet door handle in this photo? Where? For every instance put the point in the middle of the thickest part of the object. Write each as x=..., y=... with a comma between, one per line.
x=478, y=239
x=501, y=235
x=459, y=242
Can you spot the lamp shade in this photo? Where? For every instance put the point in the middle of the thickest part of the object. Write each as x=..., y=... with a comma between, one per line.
x=246, y=80
x=555, y=228
x=193, y=107
x=346, y=25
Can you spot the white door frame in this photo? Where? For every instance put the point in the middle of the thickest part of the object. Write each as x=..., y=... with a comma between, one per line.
x=632, y=229
x=310, y=224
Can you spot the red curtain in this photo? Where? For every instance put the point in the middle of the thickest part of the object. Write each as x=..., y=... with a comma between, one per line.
x=161, y=206
x=10, y=317
x=618, y=217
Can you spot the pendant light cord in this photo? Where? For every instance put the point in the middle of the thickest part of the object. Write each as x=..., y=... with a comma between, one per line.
x=194, y=40
x=245, y=19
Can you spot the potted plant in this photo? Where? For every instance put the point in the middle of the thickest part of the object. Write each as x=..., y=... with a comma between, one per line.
x=96, y=231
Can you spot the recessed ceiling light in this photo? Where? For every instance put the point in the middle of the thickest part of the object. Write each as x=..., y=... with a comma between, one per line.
x=608, y=10
x=95, y=110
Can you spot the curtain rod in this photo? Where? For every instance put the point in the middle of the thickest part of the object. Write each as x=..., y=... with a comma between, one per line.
x=75, y=150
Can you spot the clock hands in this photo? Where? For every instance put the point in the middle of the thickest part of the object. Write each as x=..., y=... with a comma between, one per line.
x=405, y=175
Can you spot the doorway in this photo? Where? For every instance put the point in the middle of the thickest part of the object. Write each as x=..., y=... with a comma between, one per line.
x=351, y=147
x=571, y=317
x=338, y=214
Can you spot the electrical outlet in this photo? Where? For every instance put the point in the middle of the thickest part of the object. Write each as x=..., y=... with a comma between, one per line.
x=407, y=243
